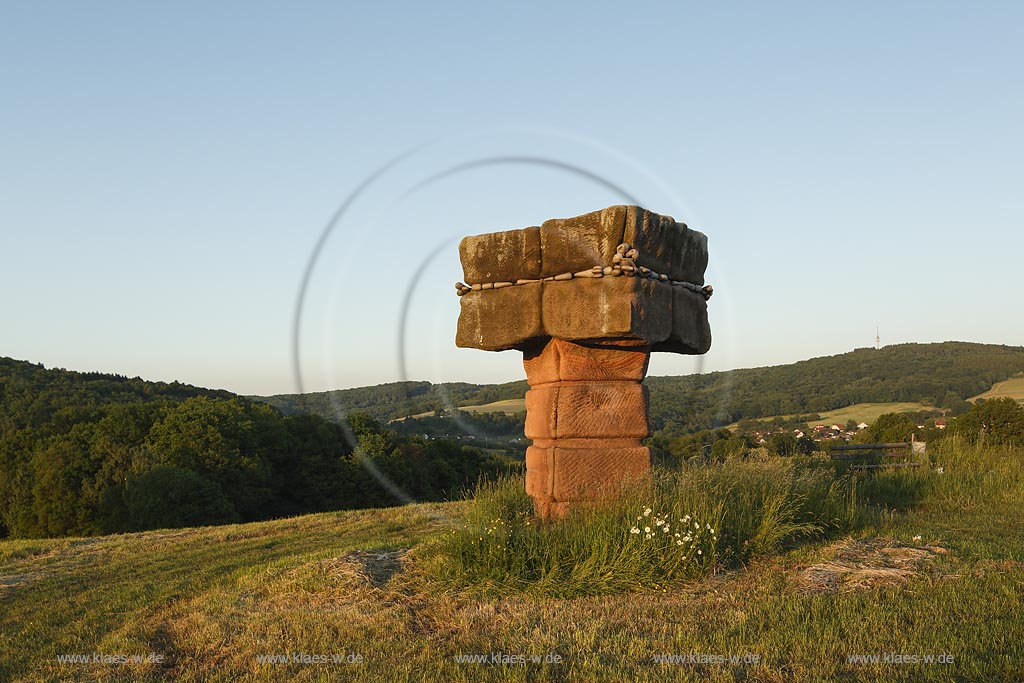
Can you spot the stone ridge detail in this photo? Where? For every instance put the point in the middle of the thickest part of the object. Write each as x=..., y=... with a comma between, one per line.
x=623, y=263
x=571, y=245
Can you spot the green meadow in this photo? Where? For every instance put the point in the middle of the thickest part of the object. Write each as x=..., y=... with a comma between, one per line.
x=805, y=573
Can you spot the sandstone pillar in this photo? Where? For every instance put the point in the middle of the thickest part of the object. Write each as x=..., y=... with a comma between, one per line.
x=586, y=415
x=586, y=300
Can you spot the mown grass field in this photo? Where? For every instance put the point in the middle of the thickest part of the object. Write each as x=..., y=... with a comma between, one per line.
x=865, y=412
x=934, y=565
x=510, y=406
x=859, y=412
x=1011, y=388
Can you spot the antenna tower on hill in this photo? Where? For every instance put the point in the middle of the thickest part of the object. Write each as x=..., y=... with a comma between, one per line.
x=878, y=340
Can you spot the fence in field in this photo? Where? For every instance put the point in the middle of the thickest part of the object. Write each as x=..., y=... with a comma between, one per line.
x=879, y=455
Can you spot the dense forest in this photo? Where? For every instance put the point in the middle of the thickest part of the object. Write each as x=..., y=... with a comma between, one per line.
x=942, y=375
x=89, y=453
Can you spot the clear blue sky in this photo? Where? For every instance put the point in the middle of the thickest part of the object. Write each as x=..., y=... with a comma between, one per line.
x=166, y=170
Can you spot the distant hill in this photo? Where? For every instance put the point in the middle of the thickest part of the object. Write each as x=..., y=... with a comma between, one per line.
x=941, y=375
x=31, y=395
x=934, y=374
x=395, y=399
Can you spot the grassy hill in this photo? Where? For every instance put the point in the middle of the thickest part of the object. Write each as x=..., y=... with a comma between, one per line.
x=1011, y=388
x=929, y=571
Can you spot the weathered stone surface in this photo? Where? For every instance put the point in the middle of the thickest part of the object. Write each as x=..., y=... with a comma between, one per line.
x=589, y=473
x=560, y=360
x=501, y=256
x=569, y=245
x=666, y=246
x=602, y=410
x=539, y=468
x=574, y=474
x=541, y=412
x=691, y=332
x=499, y=319
x=587, y=410
x=583, y=308
x=608, y=308
x=586, y=414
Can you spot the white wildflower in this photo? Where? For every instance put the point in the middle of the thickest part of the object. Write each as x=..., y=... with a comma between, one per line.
x=917, y=539
x=634, y=530
x=647, y=529
x=647, y=512
x=679, y=542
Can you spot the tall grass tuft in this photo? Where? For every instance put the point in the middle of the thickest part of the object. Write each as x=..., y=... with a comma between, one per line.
x=669, y=527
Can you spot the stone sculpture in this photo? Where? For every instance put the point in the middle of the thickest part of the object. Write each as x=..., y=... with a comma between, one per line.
x=586, y=300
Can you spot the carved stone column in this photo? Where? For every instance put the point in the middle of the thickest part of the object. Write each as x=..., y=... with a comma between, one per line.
x=586, y=300
x=586, y=412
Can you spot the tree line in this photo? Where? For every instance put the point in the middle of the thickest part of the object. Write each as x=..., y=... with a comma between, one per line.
x=89, y=453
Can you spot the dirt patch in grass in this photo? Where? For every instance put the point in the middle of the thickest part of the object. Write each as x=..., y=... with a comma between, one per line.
x=375, y=566
x=858, y=564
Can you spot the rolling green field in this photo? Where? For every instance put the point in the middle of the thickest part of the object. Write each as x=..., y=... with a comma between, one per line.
x=866, y=412
x=1011, y=388
x=929, y=570
x=861, y=412
x=510, y=406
